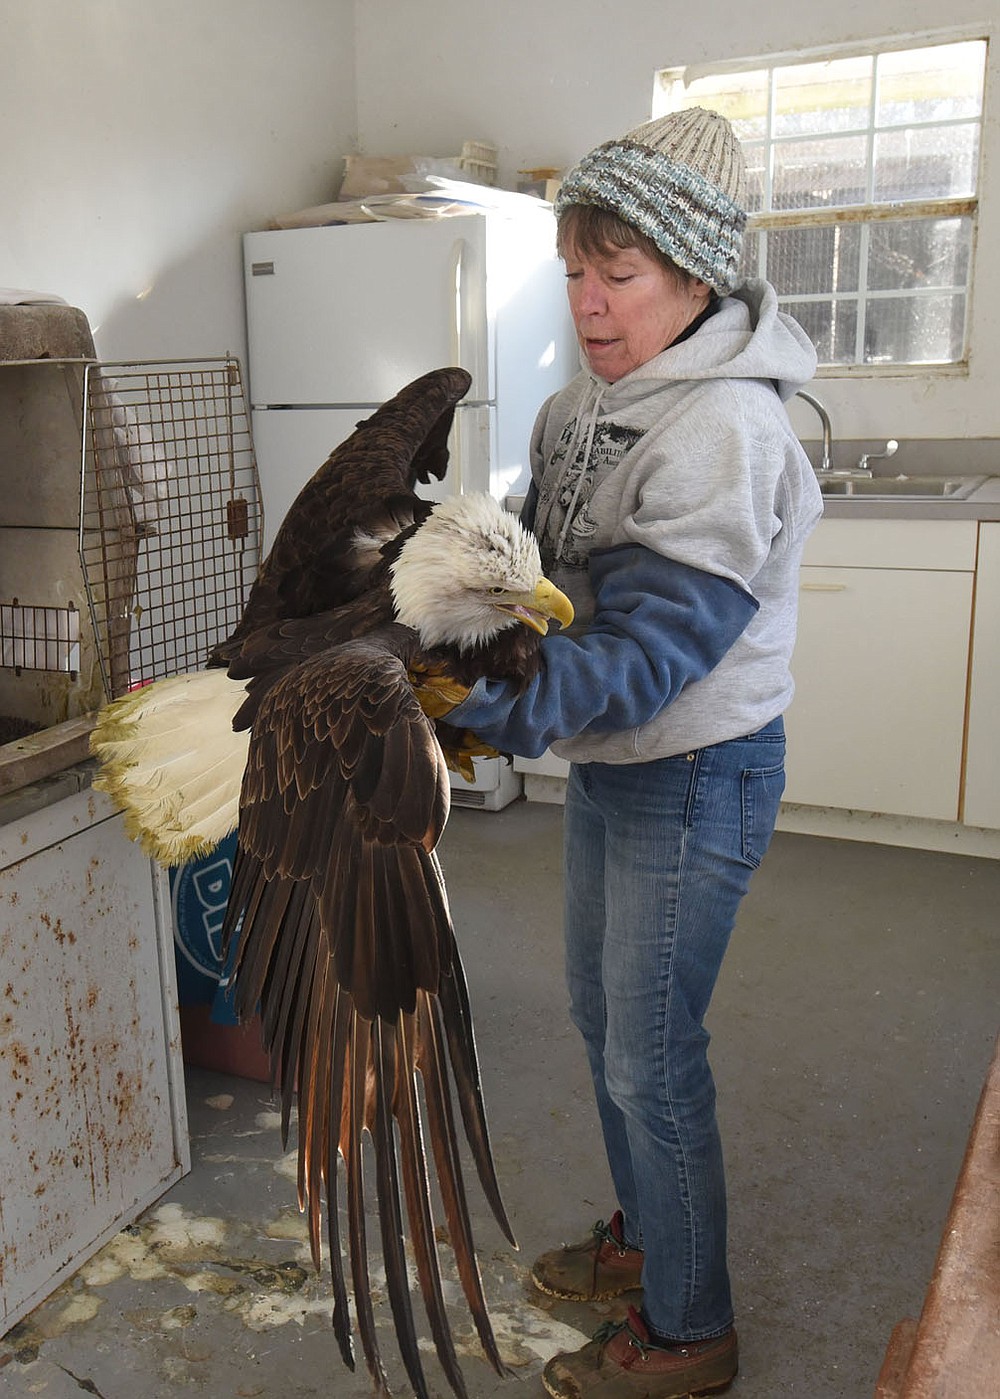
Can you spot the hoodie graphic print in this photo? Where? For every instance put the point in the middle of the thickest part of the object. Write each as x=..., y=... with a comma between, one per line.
x=568, y=495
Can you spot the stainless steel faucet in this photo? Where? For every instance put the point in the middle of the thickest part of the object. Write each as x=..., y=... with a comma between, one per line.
x=824, y=418
x=890, y=450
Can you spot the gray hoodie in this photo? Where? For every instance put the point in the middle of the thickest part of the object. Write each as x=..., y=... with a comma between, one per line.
x=708, y=472
x=672, y=506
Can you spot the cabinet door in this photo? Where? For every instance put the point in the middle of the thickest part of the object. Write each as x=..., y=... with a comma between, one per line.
x=982, y=764
x=880, y=668
x=91, y=1088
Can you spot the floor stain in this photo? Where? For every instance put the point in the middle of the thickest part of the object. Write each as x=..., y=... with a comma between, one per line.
x=218, y=1265
x=221, y=1102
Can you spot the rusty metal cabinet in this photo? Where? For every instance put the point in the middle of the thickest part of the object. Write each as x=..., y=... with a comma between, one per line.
x=92, y=1119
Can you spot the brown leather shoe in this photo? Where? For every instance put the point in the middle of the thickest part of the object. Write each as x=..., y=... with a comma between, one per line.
x=599, y=1267
x=621, y=1362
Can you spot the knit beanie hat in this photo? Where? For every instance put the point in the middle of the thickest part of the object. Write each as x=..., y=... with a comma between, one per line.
x=680, y=180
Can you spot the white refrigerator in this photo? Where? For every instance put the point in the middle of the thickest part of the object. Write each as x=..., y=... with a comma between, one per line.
x=340, y=318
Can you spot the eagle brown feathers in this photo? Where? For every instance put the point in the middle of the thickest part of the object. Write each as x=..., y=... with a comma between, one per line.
x=338, y=908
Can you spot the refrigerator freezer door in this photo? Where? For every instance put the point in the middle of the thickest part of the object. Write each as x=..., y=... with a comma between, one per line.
x=291, y=444
x=352, y=313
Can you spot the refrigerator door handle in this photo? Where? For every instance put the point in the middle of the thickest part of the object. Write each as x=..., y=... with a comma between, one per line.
x=456, y=270
x=456, y=463
x=457, y=275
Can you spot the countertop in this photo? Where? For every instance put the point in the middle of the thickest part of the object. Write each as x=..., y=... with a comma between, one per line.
x=35, y=796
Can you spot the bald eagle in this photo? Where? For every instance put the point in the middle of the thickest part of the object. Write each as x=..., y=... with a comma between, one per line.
x=307, y=735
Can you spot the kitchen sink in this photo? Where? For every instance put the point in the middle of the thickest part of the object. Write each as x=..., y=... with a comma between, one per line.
x=896, y=487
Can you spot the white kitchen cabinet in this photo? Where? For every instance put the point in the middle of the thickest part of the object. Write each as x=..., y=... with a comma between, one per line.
x=91, y=1079
x=981, y=805
x=881, y=665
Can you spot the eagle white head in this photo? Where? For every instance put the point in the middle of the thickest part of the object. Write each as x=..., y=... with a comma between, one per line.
x=471, y=571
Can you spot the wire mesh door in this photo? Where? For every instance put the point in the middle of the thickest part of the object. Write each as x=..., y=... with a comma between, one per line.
x=170, y=515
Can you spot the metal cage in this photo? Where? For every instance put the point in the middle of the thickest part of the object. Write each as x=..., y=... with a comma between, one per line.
x=170, y=513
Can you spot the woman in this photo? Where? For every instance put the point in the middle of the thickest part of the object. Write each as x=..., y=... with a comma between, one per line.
x=672, y=501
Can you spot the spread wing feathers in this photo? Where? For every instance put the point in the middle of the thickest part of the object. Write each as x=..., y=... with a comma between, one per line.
x=366, y=485
x=348, y=948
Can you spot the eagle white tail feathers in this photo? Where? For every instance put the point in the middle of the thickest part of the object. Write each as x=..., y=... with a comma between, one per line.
x=171, y=761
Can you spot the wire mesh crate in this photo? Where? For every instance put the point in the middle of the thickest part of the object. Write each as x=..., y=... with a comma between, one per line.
x=170, y=517
x=130, y=529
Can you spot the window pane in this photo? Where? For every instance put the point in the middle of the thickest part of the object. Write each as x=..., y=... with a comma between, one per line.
x=810, y=260
x=821, y=97
x=830, y=325
x=750, y=256
x=926, y=163
x=749, y=114
x=755, y=154
x=919, y=253
x=820, y=173
x=742, y=97
x=915, y=329
x=931, y=84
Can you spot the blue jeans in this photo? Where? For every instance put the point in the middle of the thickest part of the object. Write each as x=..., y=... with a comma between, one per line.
x=658, y=856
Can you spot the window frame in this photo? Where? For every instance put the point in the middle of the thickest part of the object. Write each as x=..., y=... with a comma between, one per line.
x=867, y=214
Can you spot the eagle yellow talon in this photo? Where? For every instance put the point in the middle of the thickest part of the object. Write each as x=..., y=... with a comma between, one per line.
x=437, y=693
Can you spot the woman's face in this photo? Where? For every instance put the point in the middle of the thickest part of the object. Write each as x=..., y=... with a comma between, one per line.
x=627, y=307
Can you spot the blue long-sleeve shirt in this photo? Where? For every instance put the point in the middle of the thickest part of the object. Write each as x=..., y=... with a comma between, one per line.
x=657, y=626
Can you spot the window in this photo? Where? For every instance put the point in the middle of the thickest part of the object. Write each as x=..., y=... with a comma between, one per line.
x=863, y=172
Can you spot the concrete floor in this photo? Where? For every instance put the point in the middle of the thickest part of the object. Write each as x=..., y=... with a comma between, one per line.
x=852, y=1029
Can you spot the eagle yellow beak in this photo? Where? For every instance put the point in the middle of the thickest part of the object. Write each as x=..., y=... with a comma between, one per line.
x=545, y=604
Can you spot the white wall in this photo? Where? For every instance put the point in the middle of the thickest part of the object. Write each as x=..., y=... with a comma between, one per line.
x=546, y=82
x=141, y=139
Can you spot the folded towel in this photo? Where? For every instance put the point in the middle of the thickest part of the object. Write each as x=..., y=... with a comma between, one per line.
x=46, y=330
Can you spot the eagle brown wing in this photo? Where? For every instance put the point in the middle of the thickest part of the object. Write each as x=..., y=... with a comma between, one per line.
x=347, y=946
x=366, y=484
